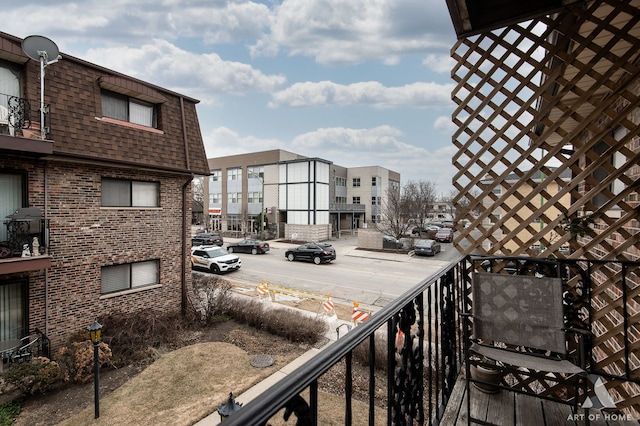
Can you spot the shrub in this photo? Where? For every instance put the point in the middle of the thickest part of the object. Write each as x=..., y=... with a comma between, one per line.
x=214, y=297
x=9, y=411
x=361, y=353
x=77, y=360
x=287, y=323
x=36, y=376
x=130, y=335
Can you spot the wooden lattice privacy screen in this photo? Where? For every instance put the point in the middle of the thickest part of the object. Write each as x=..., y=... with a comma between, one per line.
x=548, y=160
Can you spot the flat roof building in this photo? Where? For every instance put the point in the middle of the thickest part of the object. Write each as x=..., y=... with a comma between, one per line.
x=280, y=194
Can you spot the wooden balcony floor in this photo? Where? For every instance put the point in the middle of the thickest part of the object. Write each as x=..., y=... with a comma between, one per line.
x=512, y=409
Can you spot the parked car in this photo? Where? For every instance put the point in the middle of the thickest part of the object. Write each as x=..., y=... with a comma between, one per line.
x=207, y=239
x=418, y=230
x=316, y=252
x=434, y=228
x=215, y=259
x=444, y=235
x=248, y=246
x=389, y=242
x=427, y=247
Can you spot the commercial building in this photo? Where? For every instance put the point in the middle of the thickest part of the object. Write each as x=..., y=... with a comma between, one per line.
x=308, y=199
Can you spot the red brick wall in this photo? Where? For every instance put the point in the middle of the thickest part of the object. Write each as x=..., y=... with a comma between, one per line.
x=85, y=236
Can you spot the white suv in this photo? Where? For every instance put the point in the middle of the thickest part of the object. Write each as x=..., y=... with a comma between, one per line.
x=216, y=259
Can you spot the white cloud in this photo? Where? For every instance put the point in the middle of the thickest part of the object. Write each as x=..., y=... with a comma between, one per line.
x=439, y=63
x=222, y=142
x=371, y=93
x=199, y=75
x=347, y=32
x=445, y=125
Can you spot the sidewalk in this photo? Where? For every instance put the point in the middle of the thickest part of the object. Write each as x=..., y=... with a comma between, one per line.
x=258, y=389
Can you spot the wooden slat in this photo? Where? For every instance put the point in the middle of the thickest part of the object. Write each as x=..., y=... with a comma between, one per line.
x=529, y=411
x=454, y=405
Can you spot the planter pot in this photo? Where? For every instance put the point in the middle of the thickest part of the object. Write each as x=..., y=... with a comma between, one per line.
x=491, y=376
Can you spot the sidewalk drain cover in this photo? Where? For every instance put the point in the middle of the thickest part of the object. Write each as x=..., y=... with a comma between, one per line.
x=262, y=361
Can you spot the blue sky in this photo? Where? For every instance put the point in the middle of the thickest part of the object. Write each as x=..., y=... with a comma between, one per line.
x=356, y=82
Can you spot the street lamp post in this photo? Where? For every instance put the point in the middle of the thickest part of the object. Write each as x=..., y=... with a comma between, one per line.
x=95, y=332
x=228, y=408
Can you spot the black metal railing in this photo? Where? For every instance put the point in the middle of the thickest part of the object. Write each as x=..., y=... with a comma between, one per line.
x=26, y=234
x=424, y=350
x=425, y=345
x=16, y=114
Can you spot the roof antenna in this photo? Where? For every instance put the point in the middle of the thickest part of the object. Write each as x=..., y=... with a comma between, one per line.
x=40, y=49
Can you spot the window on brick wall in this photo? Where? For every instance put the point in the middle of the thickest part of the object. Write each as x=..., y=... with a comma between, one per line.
x=130, y=193
x=129, y=275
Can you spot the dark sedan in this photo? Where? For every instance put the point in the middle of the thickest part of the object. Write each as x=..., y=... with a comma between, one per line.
x=207, y=239
x=312, y=252
x=427, y=248
x=248, y=246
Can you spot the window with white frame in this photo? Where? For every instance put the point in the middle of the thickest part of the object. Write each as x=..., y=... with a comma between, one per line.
x=341, y=181
x=341, y=200
x=356, y=182
x=125, y=108
x=254, y=197
x=234, y=174
x=130, y=193
x=255, y=172
x=234, y=197
x=356, y=200
x=375, y=201
x=129, y=275
x=374, y=180
x=215, y=175
x=215, y=198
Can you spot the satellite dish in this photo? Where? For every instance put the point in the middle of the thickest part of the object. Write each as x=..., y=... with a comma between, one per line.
x=40, y=48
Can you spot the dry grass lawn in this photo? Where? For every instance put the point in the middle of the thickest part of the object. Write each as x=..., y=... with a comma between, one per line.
x=187, y=384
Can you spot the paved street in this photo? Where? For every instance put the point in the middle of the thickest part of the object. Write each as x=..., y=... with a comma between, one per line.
x=371, y=278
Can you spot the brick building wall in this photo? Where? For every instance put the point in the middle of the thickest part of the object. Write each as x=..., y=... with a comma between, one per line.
x=85, y=236
x=63, y=178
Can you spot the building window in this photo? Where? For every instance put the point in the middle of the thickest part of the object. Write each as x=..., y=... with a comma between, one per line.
x=234, y=174
x=13, y=296
x=234, y=223
x=375, y=218
x=234, y=197
x=341, y=181
x=255, y=172
x=215, y=175
x=129, y=275
x=254, y=197
x=356, y=182
x=375, y=201
x=215, y=198
x=374, y=180
x=615, y=161
x=122, y=107
x=341, y=200
x=356, y=200
x=130, y=193
x=12, y=196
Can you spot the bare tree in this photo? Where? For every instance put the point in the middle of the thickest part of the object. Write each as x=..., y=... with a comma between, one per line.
x=413, y=201
x=418, y=199
x=198, y=189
